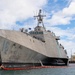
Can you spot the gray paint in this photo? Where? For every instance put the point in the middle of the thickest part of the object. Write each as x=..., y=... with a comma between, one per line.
x=16, y=46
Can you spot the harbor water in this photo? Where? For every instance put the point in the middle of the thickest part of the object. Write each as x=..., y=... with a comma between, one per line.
x=70, y=70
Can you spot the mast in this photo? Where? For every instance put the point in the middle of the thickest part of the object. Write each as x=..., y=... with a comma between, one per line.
x=40, y=18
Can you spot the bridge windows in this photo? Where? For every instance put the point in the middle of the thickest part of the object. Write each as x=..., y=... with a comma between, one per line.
x=36, y=32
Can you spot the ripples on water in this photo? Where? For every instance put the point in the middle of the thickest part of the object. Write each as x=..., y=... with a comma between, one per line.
x=44, y=71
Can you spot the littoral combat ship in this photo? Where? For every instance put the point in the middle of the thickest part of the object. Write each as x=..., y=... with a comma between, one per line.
x=36, y=47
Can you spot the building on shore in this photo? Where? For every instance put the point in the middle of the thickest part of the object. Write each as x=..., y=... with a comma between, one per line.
x=72, y=59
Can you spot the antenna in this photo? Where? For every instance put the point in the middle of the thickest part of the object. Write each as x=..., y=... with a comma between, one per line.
x=40, y=18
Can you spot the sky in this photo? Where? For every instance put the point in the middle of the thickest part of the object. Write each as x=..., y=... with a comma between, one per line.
x=60, y=17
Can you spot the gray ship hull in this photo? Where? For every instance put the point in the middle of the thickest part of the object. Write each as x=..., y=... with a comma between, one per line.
x=17, y=47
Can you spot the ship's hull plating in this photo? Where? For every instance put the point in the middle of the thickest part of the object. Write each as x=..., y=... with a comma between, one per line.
x=13, y=52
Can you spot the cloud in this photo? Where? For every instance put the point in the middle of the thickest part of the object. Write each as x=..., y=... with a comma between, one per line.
x=69, y=32
x=63, y=16
x=17, y=10
x=69, y=11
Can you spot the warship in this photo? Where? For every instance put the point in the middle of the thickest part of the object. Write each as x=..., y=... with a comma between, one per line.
x=36, y=47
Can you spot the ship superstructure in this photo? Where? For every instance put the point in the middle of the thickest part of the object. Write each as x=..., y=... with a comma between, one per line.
x=38, y=47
